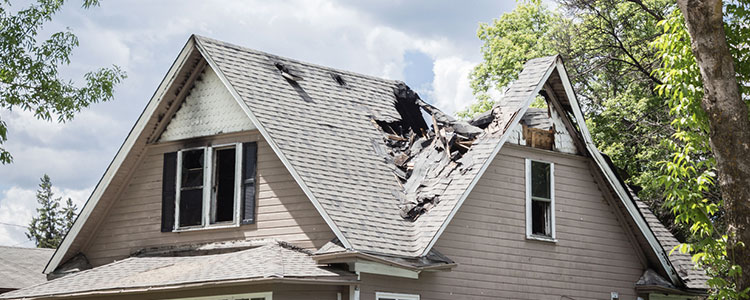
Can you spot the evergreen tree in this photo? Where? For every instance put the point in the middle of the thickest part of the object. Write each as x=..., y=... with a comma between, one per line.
x=52, y=221
x=68, y=215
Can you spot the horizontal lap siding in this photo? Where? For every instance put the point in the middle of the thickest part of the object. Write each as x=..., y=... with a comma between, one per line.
x=133, y=221
x=487, y=238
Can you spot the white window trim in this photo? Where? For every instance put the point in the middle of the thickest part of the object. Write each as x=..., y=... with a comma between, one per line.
x=208, y=178
x=529, y=235
x=266, y=295
x=397, y=296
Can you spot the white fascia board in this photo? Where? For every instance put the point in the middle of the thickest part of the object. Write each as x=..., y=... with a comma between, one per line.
x=612, y=178
x=383, y=269
x=275, y=148
x=122, y=153
x=515, y=123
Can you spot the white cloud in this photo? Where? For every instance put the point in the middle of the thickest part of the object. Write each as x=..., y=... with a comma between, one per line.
x=451, y=89
x=145, y=36
x=18, y=206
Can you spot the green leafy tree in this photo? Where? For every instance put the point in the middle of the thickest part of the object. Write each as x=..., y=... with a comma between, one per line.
x=509, y=41
x=45, y=228
x=712, y=136
x=29, y=78
x=605, y=44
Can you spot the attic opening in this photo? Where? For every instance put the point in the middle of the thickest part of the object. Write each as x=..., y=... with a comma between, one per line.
x=421, y=156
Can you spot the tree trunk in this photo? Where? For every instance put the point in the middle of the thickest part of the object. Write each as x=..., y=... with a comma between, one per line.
x=728, y=121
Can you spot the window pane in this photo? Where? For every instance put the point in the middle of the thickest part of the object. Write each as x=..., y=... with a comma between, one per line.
x=192, y=169
x=540, y=218
x=224, y=185
x=540, y=181
x=191, y=188
x=191, y=207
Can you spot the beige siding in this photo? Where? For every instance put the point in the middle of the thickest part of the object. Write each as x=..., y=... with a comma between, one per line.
x=487, y=238
x=134, y=220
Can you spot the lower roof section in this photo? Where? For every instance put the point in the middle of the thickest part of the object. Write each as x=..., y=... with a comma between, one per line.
x=271, y=261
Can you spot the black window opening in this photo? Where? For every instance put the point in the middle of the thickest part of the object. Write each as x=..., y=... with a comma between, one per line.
x=224, y=185
x=541, y=200
x=191, y=188
x=211, y=186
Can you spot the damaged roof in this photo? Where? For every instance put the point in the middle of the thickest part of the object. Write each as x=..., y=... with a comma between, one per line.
x=386, y=180
x=268, y=261
x=333, y=138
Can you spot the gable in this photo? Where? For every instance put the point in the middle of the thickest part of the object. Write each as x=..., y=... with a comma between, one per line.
x=487, y=236
x=133, y=222
x=208, y=109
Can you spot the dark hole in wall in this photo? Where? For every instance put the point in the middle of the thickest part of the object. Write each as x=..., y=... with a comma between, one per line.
x=224, y=185
x=191, y=189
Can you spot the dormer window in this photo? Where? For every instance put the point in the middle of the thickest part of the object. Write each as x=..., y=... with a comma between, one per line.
x=209, y=186
x=540, y=200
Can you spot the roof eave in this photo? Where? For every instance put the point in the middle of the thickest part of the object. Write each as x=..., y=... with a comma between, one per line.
x=341, y=280
x=116, y=163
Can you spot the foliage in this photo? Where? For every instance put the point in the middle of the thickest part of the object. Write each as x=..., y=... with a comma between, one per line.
x=509, y=41
x=605, y=46
x=689, y=176
x=52, y=222
x=29, y=78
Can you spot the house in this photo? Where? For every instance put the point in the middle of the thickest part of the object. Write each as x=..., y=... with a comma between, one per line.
x=253, y=176
x=22, y=267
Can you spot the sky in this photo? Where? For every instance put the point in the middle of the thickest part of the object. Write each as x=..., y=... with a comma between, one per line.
x=430, y=45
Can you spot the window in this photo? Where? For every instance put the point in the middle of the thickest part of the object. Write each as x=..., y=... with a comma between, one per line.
x=210, y=186
x=540, y=200
x=394, y=296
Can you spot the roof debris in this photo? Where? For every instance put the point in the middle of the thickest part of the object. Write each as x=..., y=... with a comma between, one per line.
x=423, y=158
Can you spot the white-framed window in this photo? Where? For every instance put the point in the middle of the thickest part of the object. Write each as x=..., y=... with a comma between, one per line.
x=208, y=186
x=540, y=200
x=395, y=296
x=252, y=296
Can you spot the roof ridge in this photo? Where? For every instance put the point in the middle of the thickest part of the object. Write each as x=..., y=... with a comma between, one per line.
x=201, y=38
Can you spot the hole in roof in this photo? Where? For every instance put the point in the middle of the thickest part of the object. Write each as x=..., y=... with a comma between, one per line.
x=338, y=79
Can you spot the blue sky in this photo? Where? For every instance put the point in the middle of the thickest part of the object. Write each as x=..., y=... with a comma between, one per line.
x=431, y=45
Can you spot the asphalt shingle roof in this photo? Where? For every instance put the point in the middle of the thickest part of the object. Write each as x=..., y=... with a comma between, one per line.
x=326, y=132
x=274, y=260
x=693, y=277
x=22, y=267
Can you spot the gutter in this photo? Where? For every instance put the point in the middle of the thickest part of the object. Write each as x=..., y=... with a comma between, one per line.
x=349, y=280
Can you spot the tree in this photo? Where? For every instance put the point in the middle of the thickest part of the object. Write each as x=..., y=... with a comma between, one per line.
x=705, y=69
x=605, y=45
x=52, y=222
x=69, y=214
x=44, y=229
x=29, y=78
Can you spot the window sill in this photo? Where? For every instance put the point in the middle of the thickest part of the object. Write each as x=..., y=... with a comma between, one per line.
x=215, y=226
x=541, y=238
